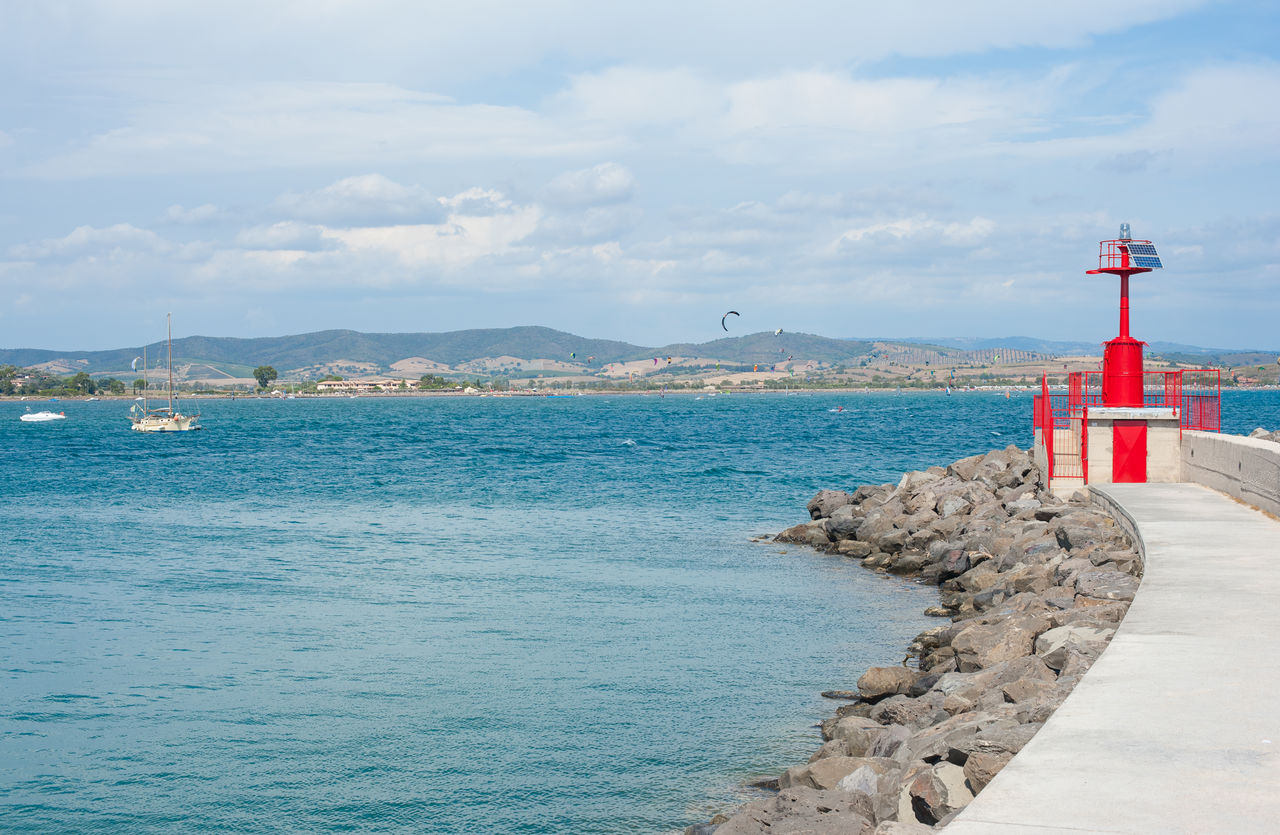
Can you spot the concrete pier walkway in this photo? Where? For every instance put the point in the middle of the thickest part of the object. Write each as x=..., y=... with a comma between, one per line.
x=1176, y=728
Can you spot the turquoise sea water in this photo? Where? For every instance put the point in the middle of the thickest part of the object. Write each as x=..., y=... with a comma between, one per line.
x=442, y=615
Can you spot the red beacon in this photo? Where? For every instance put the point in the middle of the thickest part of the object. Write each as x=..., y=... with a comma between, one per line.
x=1122, y=358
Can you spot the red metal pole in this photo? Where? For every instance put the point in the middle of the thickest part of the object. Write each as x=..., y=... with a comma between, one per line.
x=1124, y=303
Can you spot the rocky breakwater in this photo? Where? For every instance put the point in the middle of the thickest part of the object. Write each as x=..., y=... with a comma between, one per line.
x=1033, y=587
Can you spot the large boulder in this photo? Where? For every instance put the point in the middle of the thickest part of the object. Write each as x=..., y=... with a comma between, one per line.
x=982, y=766
x=875, y=779
x=822, y=774
x=879, y=682
x=853, y=548
x=984, y=645
x=843, y=522
x=826, y=501
x=1107, y=585
x=798, y=810
x=1053, y=645
x=952, y=505
x=858, y=734
x=904, y=710
x=939, y=791
x=807, y=533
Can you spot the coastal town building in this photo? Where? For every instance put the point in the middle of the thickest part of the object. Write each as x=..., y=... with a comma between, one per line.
x=382, y=384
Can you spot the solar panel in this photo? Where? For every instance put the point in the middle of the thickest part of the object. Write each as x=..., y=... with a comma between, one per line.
x=1142, y=249
x=1149, y=262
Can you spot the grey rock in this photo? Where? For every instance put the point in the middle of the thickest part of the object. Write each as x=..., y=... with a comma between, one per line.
x=982, y=766
x=807, y=533
x=955, y=563
x=903, y=710
x=825, y=503
x=939, y=791
x=843, y=522
x=801, y=810
x=1053, y=646
x=879, y=682
x=903, y=828
x=909, y=562
x=822, y=774
x=1107, y=585
x=984, y=645
x=853, y=548
x=891, y=541
x=952, y=505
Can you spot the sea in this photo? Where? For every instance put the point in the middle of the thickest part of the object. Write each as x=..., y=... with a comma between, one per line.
x=445, y=615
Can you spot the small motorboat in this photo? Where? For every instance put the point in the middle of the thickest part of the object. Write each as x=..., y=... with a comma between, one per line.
x=41, y=417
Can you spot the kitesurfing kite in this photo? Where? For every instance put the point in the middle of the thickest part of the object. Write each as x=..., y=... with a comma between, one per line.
x=778, y=332
x=726, y=316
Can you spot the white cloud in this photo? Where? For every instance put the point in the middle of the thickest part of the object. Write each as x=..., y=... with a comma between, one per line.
x=954, y=234
x=198, y=214
x=365, y=199
x=607, y=182
x=94, y=241
x=286, y=235
x=247, y=127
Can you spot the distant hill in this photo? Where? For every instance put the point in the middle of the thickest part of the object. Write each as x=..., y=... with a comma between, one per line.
x=522, y=349
x=322, y=347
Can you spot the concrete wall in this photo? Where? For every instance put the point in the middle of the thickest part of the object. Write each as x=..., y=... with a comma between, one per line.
x=1162, y=443
x=1246, y=468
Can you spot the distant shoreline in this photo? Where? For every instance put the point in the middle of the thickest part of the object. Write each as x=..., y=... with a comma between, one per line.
x=574, y=393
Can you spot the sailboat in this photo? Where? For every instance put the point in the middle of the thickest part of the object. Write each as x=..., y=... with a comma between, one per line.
x=166, y=418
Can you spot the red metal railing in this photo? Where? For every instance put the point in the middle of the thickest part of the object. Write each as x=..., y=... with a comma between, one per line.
x=1060, y=419
x=1195, y=394
x=1201, y=399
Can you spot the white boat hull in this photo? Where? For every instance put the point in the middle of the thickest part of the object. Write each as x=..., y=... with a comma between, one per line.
x=166, y=423
x=41, y=417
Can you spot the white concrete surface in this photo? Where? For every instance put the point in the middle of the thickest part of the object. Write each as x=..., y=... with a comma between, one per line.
x=1176, y=728
x=1247, y=468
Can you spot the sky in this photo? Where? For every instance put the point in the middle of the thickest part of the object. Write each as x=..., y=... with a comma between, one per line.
x=633, y=170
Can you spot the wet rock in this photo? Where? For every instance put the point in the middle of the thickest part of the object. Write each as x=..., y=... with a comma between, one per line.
x=850, y=695
x=893, y=541
x=807, y=533
x=853, y=548
x=909, y=562
x=878, y=559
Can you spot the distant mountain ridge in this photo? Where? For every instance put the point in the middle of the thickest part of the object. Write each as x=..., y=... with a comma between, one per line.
x=353, y=352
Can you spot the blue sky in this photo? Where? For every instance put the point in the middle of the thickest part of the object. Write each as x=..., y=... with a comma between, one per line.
x=631, y=171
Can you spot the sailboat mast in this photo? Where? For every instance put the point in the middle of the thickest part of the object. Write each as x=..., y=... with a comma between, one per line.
x=169, y=318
